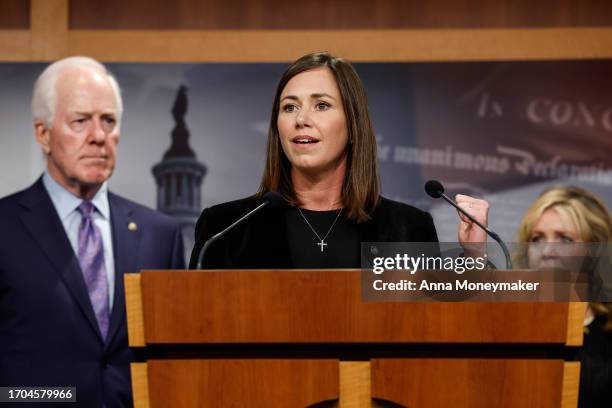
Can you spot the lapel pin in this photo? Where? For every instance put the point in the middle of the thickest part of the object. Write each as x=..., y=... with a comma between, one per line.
x=132, y=226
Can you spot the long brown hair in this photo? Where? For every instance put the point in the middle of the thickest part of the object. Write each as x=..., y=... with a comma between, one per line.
x=361, y=185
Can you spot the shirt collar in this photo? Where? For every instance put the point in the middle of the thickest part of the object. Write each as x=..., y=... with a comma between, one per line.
x=65, y=202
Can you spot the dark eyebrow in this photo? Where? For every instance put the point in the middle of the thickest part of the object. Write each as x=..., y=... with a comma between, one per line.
x=312, y=96
x=321, y=95
x=292, y=97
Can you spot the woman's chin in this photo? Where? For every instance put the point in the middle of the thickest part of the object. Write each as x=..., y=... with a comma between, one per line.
x=309, y=167
x=548, y=265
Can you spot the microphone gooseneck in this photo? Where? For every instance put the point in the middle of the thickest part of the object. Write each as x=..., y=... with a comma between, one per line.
x=271, y=199
x=435, y=189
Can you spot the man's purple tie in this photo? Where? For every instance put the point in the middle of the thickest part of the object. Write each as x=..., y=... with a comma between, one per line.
x=91, y=258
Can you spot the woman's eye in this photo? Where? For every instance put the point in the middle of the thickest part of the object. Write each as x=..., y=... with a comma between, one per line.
x=322, y=106
x=289, y=108
x=566, y=240
x=536, y=239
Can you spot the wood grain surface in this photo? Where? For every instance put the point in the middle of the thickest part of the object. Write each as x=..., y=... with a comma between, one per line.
x=242, y=383
x=264, y=306
x=322, y=14
x=475, y=383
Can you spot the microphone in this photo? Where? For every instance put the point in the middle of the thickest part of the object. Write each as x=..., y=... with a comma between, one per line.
x=435, y=189
x=271, y=199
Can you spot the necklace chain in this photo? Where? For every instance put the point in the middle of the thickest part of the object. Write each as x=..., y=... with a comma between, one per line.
x=321, y=242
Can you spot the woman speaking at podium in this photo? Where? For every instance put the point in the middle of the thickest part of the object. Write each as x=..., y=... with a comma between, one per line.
x=321, y=160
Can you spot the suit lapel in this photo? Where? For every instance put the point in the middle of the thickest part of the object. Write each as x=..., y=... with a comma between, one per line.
x=41, y=220
x=370, y=231
x=125, y=249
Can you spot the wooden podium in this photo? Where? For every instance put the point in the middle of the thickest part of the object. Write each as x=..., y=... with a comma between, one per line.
x=298, y=338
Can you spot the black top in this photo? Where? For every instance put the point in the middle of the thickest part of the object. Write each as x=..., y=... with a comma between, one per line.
x=341, y=248
x=263, y=241
x=596, y=367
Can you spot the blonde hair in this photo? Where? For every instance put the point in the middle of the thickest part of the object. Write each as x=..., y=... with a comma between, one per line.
x=588, y=213
x=585, y=209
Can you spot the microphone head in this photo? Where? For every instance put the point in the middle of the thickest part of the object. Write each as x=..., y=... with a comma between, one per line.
x=434, y=188
x=273, y=198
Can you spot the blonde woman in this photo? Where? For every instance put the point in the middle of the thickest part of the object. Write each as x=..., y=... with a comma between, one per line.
x=566, y=215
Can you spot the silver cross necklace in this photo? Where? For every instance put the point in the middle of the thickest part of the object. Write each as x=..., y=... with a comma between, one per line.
x=321, y=242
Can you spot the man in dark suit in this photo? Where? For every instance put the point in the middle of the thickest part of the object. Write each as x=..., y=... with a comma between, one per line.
x=67, y=241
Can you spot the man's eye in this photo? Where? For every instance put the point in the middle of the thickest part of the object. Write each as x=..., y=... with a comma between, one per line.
x=79, y=124
x=108, y=123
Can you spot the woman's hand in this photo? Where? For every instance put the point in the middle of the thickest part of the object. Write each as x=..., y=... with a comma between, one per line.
x=471, y=235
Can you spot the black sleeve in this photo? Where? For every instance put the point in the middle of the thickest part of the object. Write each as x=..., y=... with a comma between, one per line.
x=429, y=230
x=203, y=231
x=430, y=235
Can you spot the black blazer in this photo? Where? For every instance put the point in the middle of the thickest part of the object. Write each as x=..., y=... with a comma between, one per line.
x=261, y=242
x=596, y=367
x=49, y=335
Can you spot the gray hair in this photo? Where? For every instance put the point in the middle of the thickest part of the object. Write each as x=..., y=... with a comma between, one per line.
x=44, y=98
